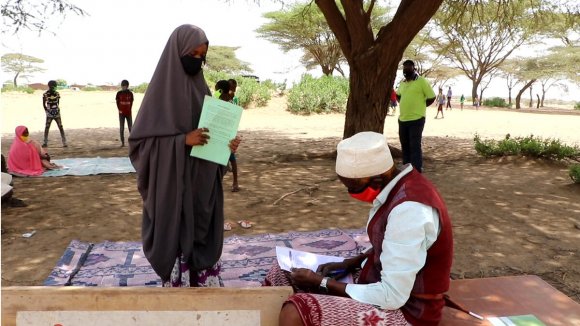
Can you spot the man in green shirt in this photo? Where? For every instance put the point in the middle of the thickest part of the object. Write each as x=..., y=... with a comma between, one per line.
x=415, y=95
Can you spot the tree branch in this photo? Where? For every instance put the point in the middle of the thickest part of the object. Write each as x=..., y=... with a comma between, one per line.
x=337, y=24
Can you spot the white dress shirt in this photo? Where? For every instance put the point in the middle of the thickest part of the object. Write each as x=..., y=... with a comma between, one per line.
x=411, y=230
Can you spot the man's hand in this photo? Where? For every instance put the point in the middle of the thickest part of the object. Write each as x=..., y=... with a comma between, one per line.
x=197, y=137
x=305, y=278
x=234, y=143
x=342, y=268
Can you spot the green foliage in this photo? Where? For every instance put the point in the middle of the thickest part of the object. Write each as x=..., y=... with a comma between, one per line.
x=91, y=88
x=319, y=95
x=61, y=83
x=141, y=88
x=575, y=173
x=530, y=146
x=496, y=102
x=223, y=58
x=302, y=26
x=577, y=106
x=249, y=90
x=11, y=88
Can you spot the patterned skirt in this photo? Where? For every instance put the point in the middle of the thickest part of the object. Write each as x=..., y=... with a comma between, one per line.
x=181, y=276
x=330, y=310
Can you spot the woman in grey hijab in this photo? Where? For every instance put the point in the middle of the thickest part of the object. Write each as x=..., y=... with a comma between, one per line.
x=182, y=228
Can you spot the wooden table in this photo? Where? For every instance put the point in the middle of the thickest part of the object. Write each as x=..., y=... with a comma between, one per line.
x=510, y=296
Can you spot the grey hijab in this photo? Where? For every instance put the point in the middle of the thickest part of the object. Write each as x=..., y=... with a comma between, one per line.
x=182, y=195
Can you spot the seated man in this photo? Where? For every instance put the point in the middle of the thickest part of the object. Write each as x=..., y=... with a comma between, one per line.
x=404, y=274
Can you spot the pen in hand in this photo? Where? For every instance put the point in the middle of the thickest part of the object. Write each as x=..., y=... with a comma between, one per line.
x=339, y=273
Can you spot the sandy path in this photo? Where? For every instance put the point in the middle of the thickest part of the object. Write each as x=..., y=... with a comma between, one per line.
x=97, y=110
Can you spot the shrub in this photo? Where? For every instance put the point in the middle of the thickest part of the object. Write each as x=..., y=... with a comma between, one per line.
x=249, y=89
x=318, y=95
x=11, y=88
x=141, y=88
x=495, y=102
x=577, y=106
x=531, y=146
x=575, y=173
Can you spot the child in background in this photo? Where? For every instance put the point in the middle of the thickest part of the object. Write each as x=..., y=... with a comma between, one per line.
x=233, y=87
x=223, y=92
x=461, y=101
x=51, y=104
x=124, y=101
x=440, y=101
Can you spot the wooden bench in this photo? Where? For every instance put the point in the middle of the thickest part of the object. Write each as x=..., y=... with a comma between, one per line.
x=500, y=296
x=510, y=296
x=39, y=305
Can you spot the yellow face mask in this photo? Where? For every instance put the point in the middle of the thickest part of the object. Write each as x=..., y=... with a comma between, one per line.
x=24, y=138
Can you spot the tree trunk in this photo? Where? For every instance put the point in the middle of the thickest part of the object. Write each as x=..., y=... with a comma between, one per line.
x=531, y=97
x=367, y=104
x=519, y=96
x=15, y=78
x=373, y=59
x=474, y=87
x=538, y=102
x=326, y=70
x=510, y=96
x=543, y=96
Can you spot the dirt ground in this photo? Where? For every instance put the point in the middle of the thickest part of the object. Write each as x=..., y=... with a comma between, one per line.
x=510, y=216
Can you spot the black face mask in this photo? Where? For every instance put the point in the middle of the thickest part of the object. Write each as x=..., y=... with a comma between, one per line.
x=409, y=74
x=191, y=65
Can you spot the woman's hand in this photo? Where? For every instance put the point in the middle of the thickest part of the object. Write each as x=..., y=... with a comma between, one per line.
x=305, y=278
x=197, y=137
x=234, y=143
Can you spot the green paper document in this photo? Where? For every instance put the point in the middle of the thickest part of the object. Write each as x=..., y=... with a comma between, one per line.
x=523, y=320
x=222, y=119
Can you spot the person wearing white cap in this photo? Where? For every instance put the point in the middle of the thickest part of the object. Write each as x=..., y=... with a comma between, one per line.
x=402, y=278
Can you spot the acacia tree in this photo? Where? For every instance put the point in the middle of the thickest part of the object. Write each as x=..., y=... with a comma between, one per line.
x=439, y=75
x=527, y=74
x=423, y=50
x=302, y=26
x=34, y=14
x=478, y=42
x=21, y=65
x=508, y=70
x=223, y=58
x=373, y=59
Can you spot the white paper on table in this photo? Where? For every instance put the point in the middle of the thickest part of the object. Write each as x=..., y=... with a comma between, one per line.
x=289, y=258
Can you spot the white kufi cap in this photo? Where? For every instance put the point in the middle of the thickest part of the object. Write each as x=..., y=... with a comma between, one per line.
x=365, y=154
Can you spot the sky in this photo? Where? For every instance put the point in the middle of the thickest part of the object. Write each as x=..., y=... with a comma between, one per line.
x=124, y=39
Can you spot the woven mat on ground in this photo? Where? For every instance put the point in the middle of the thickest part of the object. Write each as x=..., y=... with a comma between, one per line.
x=91, y=166
x=245, y=259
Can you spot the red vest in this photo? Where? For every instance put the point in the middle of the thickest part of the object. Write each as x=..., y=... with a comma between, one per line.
x=433, y=278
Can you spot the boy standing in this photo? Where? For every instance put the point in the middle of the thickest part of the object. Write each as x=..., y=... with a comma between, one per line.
x=51, y=102
x=124, y=100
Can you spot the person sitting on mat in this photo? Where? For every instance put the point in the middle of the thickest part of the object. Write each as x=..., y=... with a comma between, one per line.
x=401, y=279
x=26, y=156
